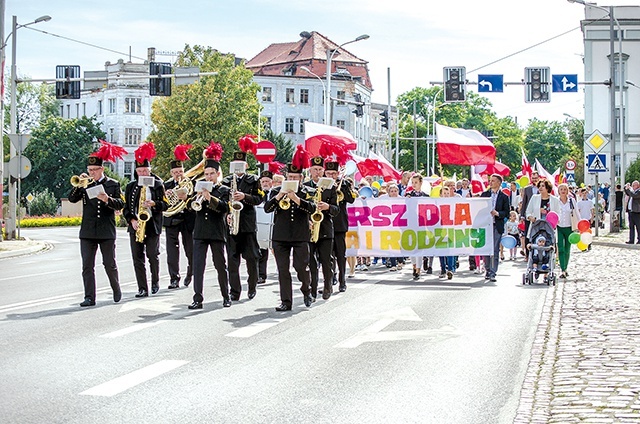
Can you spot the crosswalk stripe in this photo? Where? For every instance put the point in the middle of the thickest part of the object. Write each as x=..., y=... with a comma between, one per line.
x=256, y=327
x=130, y=329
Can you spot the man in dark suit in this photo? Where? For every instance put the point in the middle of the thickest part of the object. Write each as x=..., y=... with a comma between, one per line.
x=527, y=193
x=499, y=212
x=145, y=236
x=98, y=229
x=211, y=232
x=245, y=242
x=291, y=233
x=633, y=209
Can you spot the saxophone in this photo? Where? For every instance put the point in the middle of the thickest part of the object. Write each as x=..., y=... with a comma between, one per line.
x=316, y=217
x=144, y=214
x=234, y=208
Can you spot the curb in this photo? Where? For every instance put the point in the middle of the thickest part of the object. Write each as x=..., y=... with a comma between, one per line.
x=35, y=248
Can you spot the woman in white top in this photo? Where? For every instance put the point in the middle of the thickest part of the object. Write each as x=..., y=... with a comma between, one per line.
x=567, y=206
x=542, y=203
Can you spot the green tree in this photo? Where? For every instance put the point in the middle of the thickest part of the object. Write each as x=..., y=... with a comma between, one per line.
x=222, y=107
x=575, y=128
x=548, y=142
x=284, y=146
x=633, y=171
x=58, y=149
x=44, y=203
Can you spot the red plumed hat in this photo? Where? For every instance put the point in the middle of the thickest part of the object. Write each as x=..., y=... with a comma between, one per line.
x=180, y=153
x=106, y=153
x=213, y=153
x=301, y=160
x=276, y=167
x=248, y=143
x=144, y=154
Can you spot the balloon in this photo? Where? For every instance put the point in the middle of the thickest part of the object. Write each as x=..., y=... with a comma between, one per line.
x=574, y=238
x=552, y=219
x=524, y=181
x=350, y=167
x=375, y=185
x=521, y=226
x=586, y=238
x=517, y=185
x=583, y=225
x=504, y=184
x=375, y=191
x=381, y=180
x=481, y=167
x=509, y=242
x=506, y=191
x=365, y=192
x=582, y=246
x=435, y=192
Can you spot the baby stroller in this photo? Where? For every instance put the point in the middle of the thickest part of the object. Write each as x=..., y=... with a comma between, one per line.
x=541, y=229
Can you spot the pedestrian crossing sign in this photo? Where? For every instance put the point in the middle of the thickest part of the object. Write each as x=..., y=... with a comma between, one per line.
x=596, y=163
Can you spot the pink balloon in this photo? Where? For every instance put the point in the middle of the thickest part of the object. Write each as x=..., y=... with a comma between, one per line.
x=552, y=218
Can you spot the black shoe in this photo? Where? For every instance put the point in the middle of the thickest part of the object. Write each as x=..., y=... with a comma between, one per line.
x=326, y=294
x=262, y=280
x=154, y=289
x=343, y=288
x=88, y=302
x=629, y=242
x=493, y=279
x=226, y=303
x=283, y=307
x=308, y=300
x=429, y=270
x=187, y=281
x=251, y=294
x=235, y=297
x=117, y=295
x=142, y=293
x=195, y=305
x=174, y=284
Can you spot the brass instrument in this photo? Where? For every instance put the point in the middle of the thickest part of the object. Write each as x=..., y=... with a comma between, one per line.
x=285, y=203
x=185, y=184
x=339, y=193
x=196, y=204
x=80, y=182
x=316, y=217
x=144, y=214
x=234, y=208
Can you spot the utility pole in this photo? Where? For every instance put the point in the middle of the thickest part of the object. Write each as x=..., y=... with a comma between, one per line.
x=2, y=55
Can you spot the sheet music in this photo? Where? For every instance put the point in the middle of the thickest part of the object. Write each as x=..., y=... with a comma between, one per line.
x=290, y=185
x=203, y=185
x=95, y=191
x=146, y=181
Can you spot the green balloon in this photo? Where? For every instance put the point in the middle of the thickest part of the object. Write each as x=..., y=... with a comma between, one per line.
x=574, y=238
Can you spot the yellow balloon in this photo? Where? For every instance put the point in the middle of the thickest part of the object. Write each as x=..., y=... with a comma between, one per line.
x=435, y=192
x=582, y=246
x=375, y=184
x=524, y=181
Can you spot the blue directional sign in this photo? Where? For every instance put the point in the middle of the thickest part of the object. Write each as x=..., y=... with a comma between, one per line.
x=596, y=162
x=490, y=83
x=565, y=83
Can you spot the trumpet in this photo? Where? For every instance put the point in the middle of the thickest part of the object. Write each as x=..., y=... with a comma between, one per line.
x=285, y=203
x=78, y=181
x=196, y=204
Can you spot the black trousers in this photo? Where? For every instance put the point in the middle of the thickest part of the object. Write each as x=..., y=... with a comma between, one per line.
x=172, y=235
x=200, y=248
x=151, y=245
x=262, y=264
x=634, y=227
x=88, y=249
x=245, y=245
x=321, y=254
x=340, y=256
x=282, y=252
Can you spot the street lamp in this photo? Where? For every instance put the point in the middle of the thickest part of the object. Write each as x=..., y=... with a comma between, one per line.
x=11, y=222
x=572, y=117
x=307, y=70
x=612, y=94
x=327, y=93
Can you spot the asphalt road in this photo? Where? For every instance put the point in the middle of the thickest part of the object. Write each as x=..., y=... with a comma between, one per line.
x=389, y=350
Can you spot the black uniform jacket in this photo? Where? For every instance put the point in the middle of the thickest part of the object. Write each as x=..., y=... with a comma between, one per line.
x=292, y=224
x=328, y=196
x=211, y=222
x=132, y=197
x=249, y=184
x=186, y=215
x=341, y=221
x=98, y=218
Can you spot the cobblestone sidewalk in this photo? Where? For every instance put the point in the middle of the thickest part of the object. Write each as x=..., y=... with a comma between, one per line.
x=585, y=361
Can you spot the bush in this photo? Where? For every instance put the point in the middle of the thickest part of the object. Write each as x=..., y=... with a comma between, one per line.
x=50, y=221
x=43, y=203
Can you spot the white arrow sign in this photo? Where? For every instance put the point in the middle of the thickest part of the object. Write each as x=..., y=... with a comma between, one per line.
x=487, y=83
x=374, y=332
x=566, y=84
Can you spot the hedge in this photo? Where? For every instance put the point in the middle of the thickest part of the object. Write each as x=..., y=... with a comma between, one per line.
x=50, y=221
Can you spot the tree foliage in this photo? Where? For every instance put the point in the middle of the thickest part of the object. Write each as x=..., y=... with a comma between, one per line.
x=44, y=203
x=222, y=107
x=547, y=141
x=633, y=171
x=59, y=149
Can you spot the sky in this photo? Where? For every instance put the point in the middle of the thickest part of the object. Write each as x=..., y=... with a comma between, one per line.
x=415, y=39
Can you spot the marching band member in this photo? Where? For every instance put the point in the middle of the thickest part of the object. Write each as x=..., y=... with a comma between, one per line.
x=245, y=242
x=179, y=224
x=143, y=212
x=321, y=249
x=210, y=229
x=98, y=228
x=291, y=232
x=265, y=220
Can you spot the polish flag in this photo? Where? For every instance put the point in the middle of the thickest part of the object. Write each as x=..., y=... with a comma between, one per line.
x=389, y=173
x=526, y=166
x=497, y=168
x=546, y=175
x=477, y=182
x=316, y=134
x=463, y=147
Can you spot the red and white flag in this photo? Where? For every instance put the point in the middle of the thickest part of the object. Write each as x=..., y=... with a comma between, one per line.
x=463, y=147
x=389, y=173
x=526, y=166
x=317, y=134
x=477, y=182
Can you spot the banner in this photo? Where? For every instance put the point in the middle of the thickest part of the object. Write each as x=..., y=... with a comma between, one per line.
x=420, y=226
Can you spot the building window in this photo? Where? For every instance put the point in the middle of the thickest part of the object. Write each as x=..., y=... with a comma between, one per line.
x=266, y=94
x=267, y=123
x=112, y=105
x=302, y=121
x=99, y=107
x=288, y=125
x=340, y=123
x=128, y=170
x=132, y=105
x=132, y=136
x=304, y=96
x=112, y=135
x=341, y=95
x=290, y=96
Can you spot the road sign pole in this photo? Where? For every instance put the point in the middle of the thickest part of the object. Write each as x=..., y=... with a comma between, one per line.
x=597, y=220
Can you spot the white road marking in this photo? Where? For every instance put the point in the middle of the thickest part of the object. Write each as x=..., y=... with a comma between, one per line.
x=256, y=327
x=120, y=384
x=33, y=275
x=131, y=329
x=157, y=305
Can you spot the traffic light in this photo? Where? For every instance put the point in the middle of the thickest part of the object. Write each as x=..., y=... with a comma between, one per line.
x=454, y=80
x=385, y=119
x=159, y=86
x=358, y=110
x=536, y=85
x=67, y=89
